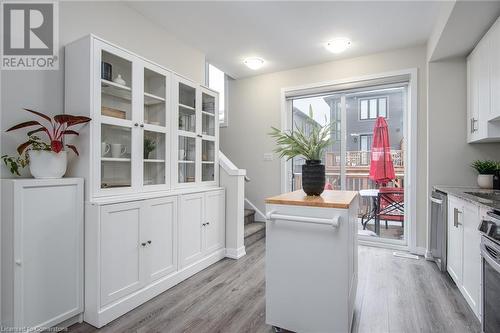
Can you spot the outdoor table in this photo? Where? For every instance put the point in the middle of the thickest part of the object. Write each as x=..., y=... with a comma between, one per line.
x=372, y=214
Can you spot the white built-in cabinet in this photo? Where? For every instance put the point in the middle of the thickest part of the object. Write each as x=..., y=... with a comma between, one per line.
x=483, y=88
x=137, y=249
x=41, y=253
x=463, y=253
x=201, y=231
x=155, y=213
x=153, y=131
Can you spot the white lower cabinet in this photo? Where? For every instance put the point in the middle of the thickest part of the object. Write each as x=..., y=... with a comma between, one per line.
x=41, y=253
x=202, y=229
x=455, y=239
x=463, y=254
x=133, y=249
x=121, y=253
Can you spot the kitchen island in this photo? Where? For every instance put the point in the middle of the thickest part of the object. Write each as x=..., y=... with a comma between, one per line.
x=311, y=261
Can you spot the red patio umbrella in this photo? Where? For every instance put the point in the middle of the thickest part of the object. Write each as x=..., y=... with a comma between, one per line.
x=381, y=167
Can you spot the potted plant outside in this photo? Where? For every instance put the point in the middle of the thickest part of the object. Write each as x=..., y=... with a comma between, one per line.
x=310, y=145
x=45, y=159
x=486, y=170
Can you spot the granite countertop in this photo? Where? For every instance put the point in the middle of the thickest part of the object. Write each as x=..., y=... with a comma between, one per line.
x=460, y=192
x=328, y=199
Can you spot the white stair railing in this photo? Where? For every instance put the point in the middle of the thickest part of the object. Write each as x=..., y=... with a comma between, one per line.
x=233, y=179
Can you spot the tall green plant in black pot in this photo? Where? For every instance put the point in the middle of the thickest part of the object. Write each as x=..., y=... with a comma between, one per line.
x=307, y=141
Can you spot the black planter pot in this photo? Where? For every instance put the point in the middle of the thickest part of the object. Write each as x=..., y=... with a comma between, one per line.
x=313, y=177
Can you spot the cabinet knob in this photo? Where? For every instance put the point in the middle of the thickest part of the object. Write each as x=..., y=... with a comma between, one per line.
x=142, y=125
x=143, y=244
x=149, y=242
x=18, y=262
x=204, y=224
x=136, y=124
x=199, y=135
x=207, y=223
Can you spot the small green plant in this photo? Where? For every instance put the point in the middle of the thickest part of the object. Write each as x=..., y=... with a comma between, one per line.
x=299, y=143
x=16, y=163
x=149, y=146
x=486, y=167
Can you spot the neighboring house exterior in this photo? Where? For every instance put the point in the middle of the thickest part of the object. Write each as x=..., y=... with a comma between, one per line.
x=360, y=123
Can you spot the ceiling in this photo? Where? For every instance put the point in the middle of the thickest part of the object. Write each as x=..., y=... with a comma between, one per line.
x=291, y=34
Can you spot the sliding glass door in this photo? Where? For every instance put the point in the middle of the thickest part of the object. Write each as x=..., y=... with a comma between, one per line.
x=347, y=160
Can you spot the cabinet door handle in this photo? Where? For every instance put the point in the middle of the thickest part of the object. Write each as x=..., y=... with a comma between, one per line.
x=199, y=135
x=474, y=122
x=456, y=212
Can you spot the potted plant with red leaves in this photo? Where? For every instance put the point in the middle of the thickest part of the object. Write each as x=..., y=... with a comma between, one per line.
x=45, y=159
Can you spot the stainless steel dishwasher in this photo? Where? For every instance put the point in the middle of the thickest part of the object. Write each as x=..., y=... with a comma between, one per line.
x=438, y=228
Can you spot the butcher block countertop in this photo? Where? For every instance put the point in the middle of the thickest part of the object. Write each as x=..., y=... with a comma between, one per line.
x=328, y=199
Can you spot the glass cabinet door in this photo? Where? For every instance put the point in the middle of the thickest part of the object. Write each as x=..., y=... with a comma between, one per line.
x=116, y=121
x=187, y=130
x=187, y=159
x=209, y=121
x=155, y=128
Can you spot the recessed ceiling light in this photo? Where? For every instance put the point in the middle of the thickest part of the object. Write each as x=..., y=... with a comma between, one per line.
x=338, y=45
x=254, y=63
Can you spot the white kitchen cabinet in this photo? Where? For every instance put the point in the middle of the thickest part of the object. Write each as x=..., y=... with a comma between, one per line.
x=483, y=96
x=202, y=226
x=161, y=228
x=455, y=239
x=42, y=252
x=154, y=131
x=197, y=133
x=191, y=228
x=214, y=221
x=495, y=71
x=463, y=253
x=137, y=249
x=121, y=253
x=471, y=256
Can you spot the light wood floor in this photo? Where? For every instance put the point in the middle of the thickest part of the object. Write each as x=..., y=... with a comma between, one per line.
x=394, y=295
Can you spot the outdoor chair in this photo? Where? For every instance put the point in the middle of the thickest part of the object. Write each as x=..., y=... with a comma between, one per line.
x=391, y=205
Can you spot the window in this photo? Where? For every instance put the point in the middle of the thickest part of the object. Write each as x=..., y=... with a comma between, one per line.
x=217, y=81
x=371, y=108
x=365, y=142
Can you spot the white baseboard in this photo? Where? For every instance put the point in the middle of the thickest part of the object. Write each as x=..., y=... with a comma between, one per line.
x=235, y=253
x=259, y=216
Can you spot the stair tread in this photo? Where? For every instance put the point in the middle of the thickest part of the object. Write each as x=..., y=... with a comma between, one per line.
x=252, y=228
x=249, y=212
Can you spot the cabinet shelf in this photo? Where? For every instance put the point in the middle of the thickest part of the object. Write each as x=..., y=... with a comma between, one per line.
x=187, y=107
x=115, y=159
x=116, y=90
x=150, y=99
x=208, y=113
x=154, y=161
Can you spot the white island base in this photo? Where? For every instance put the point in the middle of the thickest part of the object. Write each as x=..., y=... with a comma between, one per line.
x=311, y=261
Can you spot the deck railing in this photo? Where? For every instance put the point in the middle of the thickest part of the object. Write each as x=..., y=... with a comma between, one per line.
x=361, y=158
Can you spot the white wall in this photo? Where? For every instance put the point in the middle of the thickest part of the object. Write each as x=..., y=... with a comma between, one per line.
x=113, y=21
x=449, y=155
x=254, y=106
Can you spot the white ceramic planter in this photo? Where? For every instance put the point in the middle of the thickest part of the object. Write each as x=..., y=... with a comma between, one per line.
x=47, y=164
x=485, y=181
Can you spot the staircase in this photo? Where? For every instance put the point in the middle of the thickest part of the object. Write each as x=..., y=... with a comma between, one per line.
x=253, y=230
